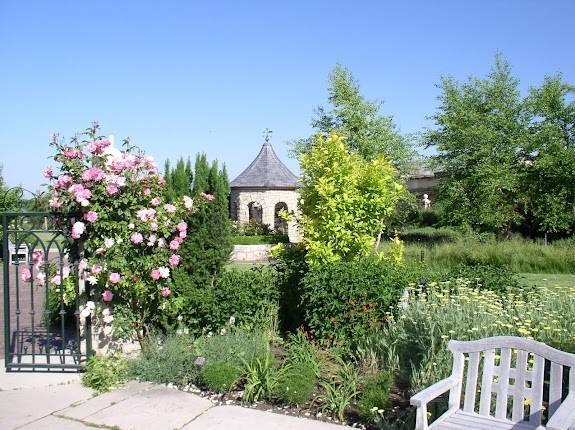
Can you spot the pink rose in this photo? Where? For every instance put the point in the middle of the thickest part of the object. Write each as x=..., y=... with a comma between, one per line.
x=107, y=296
x=112, y=189
x=208, y=197
x=48, y=172
x=182, y=226
x=147, y=191
x=156, y=201
x=174, y=244
x=96, y=268
x=179, y=239
x=109, y=242
x=170, y=208
x=161, y=181
x=41, y=278
x=25, y=274
x=136, y=238
x=38, y=257
x=55, y=203
x=183, y=234
x=165, y=292
x=91, y=216
x=164, y=272
x=188, y=202
x=155, y=274
x=93, y=174
x=174, y=260
x=114, y=277
x=77, y=229
x=154, y=226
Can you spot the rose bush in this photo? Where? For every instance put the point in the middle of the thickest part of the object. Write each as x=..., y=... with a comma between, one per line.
x=126, y=235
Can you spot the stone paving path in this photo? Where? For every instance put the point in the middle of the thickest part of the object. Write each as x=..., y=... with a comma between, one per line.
x=51, y=401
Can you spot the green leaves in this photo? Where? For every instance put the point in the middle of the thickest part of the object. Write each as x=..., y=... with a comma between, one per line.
x=344, y=200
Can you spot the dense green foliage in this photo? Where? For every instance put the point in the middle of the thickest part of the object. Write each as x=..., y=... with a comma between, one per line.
x=296, y=383
x=345, y=301
x=345, y=201
x=507, y=161
x=235, y=346
x=366, y=131
x=104, y=373
x=249, y=296
x=220, y=376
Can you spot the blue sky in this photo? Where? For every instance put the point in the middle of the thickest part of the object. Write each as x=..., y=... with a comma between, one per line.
x=180, y=77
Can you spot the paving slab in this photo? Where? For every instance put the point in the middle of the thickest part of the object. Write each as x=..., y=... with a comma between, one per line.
x=51, y=422
x=83, y=409
x=25, y=380
x=20, y=407
x=239, y=418
x=155, y=408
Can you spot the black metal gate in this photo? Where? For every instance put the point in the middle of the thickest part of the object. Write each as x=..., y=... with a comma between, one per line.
x=42, y=322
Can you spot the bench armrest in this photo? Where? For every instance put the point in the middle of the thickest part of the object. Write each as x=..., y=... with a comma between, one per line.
x=430, y=393
x=564, y=416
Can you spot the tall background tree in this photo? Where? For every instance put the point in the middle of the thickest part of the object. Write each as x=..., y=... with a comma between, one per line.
x=208, y=245
x=549, y=169
x=365, y=130
x=480, y=127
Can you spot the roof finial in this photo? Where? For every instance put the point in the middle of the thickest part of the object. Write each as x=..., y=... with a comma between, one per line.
x=267, y=136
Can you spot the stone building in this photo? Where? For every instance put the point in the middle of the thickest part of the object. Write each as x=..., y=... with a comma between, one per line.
x=262, y=190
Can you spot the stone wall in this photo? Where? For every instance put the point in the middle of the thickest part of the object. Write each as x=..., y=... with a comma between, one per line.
x=240, y=198
x=251, y=253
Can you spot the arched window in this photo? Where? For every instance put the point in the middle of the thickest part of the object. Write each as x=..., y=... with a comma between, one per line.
x=280, y=225
x=255, y=212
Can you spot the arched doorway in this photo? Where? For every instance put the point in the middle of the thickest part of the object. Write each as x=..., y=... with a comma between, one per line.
x=280, y=224
x=255, y=212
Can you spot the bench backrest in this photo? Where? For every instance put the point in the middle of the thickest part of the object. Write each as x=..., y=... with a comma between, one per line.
x=504, y=367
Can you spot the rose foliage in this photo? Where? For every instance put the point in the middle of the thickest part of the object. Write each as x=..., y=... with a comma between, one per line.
x=127, y=234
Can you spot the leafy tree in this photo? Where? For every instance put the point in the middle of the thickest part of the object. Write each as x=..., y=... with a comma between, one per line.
x=481, y=126
x=345, y=200
x=359, y=121
x=550, y=156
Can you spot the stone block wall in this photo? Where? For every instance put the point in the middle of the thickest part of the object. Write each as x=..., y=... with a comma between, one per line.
x=240, y=198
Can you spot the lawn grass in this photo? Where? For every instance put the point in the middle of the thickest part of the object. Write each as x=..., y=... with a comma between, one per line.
x=548, y=279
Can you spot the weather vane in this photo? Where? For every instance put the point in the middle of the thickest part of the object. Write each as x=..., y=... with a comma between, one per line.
x=267, y=135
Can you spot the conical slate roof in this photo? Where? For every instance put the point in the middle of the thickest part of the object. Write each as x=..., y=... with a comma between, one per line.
x=266, y=171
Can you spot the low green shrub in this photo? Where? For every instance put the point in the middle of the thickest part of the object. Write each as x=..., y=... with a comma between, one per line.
x=169, y=360
x=220, y=376
x=345, y=301
x=235, y=346
x=251, y=228
x=249, y=296
x=104, y=373
x=374, y=397
x=296, y=383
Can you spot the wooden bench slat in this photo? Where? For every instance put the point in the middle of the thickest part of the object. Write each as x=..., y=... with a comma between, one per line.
x=471, y=383
x=519, y=392
x=503, y=385
x=555, y=387
x=486, y=382
x=536, y=391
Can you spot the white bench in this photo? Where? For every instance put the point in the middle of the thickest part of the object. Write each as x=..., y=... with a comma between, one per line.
x=20, y=253
x=489, y=365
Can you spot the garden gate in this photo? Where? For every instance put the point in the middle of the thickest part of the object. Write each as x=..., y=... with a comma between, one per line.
x=42, y=292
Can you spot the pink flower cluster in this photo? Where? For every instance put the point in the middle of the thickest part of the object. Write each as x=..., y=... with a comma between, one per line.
x=72, y=153
x=93, y=174
x=98, y=146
